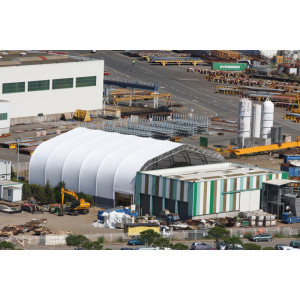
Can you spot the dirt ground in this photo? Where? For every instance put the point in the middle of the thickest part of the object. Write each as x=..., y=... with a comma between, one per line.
x=81, y=224
x=263, y=161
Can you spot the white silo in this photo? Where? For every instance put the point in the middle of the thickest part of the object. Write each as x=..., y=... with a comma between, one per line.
x=267, y=116
x=256, y=120
x=244, y=125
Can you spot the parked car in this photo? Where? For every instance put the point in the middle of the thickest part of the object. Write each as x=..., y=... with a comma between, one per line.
x=279, y=246
x=146, y=248
x=203, y=247
x=200, y=246
x=135, y=242
x=262, y=237
x=236, y=247
x=295, y=244
x=287, y=248
x=193, y=246
x=221, y=245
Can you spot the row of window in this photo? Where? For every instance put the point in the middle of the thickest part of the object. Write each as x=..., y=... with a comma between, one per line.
x=42, y=85
x=3, y=116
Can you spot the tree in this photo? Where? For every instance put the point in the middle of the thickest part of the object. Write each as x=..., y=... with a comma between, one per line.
x=26, y=191
x=218, y=233
x=233, y=240
x=149, y=236
x=76, y=240
x=49, y=191
x=162, y=243
x=38, y=193
x=4, y=245
x=179, y=246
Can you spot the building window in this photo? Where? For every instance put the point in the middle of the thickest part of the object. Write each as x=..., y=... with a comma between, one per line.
x=3, y=116
x=64, y=83
x=85, y=81
x=41, y=85
x=13, y=87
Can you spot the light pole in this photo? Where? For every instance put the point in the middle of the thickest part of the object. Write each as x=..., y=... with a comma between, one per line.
x=18, y=140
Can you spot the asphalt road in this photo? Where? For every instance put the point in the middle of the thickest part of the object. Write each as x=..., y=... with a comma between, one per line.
x=191, y=89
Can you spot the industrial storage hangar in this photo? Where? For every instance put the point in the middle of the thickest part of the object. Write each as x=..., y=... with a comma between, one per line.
x=43, y=86
x=104, y=164
x=213, y=190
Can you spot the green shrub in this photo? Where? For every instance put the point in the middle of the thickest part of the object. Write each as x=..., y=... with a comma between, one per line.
x=179, y=246
x=4, y=245
x=119, y=239
x=76, y=240
x=248, y=235
x=268, y=248
x=250, y=246
x=279, y=235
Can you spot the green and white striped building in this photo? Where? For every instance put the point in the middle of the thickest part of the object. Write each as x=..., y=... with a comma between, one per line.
x=214, y=189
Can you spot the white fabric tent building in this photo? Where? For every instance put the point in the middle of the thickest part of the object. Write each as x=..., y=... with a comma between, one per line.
x=98, y=163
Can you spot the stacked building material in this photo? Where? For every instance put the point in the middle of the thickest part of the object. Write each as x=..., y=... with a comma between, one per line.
x=258, y=218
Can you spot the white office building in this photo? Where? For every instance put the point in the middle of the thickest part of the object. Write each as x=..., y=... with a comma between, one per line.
x=43, y=86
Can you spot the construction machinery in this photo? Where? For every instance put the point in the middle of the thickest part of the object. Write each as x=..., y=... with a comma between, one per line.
x=31, y=207
x=82, y=115
x=266, y=148
x=77, y=206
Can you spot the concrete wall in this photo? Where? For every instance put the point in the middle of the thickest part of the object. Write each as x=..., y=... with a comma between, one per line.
x=26, y=104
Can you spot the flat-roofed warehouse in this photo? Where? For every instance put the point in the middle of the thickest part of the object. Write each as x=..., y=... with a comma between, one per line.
x=104, y=164
x=214, y=190
x=42, y=86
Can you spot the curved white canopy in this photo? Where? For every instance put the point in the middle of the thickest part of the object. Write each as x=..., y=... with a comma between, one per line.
x=95, y=162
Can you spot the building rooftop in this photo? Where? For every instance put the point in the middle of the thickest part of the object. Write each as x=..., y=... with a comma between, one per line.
x=17, y=58
x=211, y=172
x=9, y=182
x=280, y=182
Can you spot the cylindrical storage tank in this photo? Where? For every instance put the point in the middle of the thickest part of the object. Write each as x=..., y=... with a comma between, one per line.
x=267, y=116
x=256, y=120
x=244, y=125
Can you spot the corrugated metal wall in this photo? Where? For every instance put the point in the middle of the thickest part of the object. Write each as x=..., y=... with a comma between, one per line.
x=206, y=197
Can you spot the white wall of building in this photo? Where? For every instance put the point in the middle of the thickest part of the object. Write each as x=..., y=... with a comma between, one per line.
x=5, y=169
x=4, y=124
x=27, y=104
x=11, y=193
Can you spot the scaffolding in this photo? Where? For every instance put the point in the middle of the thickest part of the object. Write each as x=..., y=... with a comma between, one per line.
x=158, y=127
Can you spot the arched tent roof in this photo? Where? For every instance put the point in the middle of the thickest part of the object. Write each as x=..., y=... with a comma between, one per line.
x=101, y=163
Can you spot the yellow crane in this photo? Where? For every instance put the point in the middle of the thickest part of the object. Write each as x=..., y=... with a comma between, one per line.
x=78, y=206
x=266, y=148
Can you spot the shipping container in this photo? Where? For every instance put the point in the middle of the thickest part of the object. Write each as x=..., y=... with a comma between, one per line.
x=229, y=66
x=293, y=170
x=287, y=158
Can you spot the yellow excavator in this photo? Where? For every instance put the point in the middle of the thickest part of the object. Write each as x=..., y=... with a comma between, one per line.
x=77, y=206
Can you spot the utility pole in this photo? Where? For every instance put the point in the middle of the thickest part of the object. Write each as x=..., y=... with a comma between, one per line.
x=18, y=140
